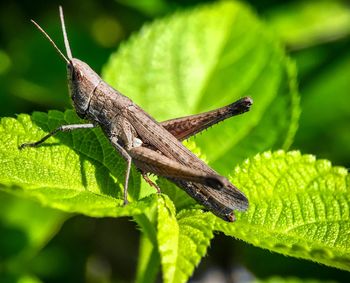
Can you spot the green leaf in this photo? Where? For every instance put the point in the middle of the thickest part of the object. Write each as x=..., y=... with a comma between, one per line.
x=182, y=239
x=204, y=58
x=325, y=106
x=276, y=279
x=302, y=24
x=29, y=279
x=299, y=206
x=75, y=172
x=26, y=224
x=25, y=227
x=148, y=7
x=19, y=278
x=148, y=261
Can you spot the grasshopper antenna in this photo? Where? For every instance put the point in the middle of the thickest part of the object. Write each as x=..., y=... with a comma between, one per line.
x=66, y=42
x=51, y=41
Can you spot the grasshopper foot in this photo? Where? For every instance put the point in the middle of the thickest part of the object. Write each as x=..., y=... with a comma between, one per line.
x=27, y=144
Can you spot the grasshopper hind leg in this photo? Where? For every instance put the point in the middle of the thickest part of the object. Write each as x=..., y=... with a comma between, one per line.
x=149, y=181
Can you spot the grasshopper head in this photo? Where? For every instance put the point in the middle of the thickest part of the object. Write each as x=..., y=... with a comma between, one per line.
x=82, y=82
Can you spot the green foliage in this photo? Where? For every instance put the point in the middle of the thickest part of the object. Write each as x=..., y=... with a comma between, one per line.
x=182, y=239
x=25, y=227
x=305, y=23
x=35, y=223
x=325, y=106
x=175, y=62
x=290, y=280
x=298, y=207
x=80, y=173
x=318, y=32
x=192, y=61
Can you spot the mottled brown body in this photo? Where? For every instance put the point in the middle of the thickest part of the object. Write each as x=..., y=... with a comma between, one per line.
x=152, y=146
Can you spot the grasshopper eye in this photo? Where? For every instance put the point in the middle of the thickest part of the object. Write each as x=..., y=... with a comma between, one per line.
x=77, y=75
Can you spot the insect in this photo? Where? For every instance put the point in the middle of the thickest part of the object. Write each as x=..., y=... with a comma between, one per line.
x=153, y=147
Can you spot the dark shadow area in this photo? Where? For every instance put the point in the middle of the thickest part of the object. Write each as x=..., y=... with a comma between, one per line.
x=12, y=241
x=90, y=250
x=233, y=259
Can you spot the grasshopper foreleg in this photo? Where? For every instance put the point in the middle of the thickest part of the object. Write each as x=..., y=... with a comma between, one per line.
x=64, y=128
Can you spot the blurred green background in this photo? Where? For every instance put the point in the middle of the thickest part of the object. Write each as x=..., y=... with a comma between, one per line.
x=316, y=34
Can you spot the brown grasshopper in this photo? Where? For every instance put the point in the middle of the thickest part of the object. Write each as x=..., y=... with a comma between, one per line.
x=153, y=147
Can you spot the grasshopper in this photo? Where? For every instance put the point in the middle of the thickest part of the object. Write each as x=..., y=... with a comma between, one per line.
x=153, y=147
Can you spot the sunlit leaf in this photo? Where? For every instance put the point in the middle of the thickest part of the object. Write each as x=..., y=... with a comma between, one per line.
x=75, y=172
x=299, y=206
x=201, y=59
